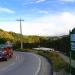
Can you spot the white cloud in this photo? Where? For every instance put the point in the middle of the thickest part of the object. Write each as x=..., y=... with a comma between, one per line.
x=43, y=11
x=10, y=26
x=39, y=1
x=67, y=0
x=59, y=24
x=6, y=10
x=33, y=1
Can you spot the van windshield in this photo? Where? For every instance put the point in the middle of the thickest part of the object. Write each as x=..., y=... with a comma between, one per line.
x=2, y=46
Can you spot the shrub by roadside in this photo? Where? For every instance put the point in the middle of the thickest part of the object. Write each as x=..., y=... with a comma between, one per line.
x=58, y=62
x=23, y=50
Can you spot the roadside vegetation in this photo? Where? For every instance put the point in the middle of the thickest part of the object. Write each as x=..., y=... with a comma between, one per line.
x=57, y=62
x=72, y=54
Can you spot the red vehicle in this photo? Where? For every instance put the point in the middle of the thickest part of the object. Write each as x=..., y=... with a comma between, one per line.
x=6, y=51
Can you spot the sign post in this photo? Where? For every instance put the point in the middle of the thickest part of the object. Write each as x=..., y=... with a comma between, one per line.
x=72, y=44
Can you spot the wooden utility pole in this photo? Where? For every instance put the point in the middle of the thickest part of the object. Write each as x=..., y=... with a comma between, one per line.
x=20, y=20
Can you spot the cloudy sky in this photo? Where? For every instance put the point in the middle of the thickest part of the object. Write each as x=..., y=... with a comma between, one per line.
x=41, y=17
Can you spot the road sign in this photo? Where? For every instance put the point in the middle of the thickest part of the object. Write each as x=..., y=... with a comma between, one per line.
x=73, y=46
x=72, y=39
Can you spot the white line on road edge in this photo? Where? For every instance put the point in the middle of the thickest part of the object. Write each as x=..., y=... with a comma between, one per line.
x=39, y=67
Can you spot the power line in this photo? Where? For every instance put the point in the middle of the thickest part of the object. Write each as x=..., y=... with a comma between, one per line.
x=20, y=20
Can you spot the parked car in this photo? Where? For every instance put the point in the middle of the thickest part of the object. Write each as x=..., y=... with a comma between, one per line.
x=6, y=51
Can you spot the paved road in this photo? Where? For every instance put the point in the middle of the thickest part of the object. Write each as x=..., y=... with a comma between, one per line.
x=46, y=68
x=24, y=64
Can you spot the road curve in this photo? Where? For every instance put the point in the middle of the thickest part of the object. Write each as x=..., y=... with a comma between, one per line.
x=20, y=64
x=24, y=64
x=46, y=67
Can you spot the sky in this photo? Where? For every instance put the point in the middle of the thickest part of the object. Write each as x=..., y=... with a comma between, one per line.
x=41, y=17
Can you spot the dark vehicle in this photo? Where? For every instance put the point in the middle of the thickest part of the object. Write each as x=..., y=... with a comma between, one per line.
x=6, y=52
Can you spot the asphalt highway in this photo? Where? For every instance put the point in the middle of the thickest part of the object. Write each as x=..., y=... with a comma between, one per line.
x=25, y=64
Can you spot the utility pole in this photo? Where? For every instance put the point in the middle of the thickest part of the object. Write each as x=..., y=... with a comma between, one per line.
x=20, y=20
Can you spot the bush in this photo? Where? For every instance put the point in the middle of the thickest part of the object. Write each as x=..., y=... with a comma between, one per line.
x=23, y=50
x=57, y=61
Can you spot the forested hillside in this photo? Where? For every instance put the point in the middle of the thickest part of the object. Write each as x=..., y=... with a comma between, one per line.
x=58, y=42
x=15, y=38
x=5, y=36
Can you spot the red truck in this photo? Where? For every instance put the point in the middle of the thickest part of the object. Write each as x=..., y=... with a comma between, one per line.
x=6, y=51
